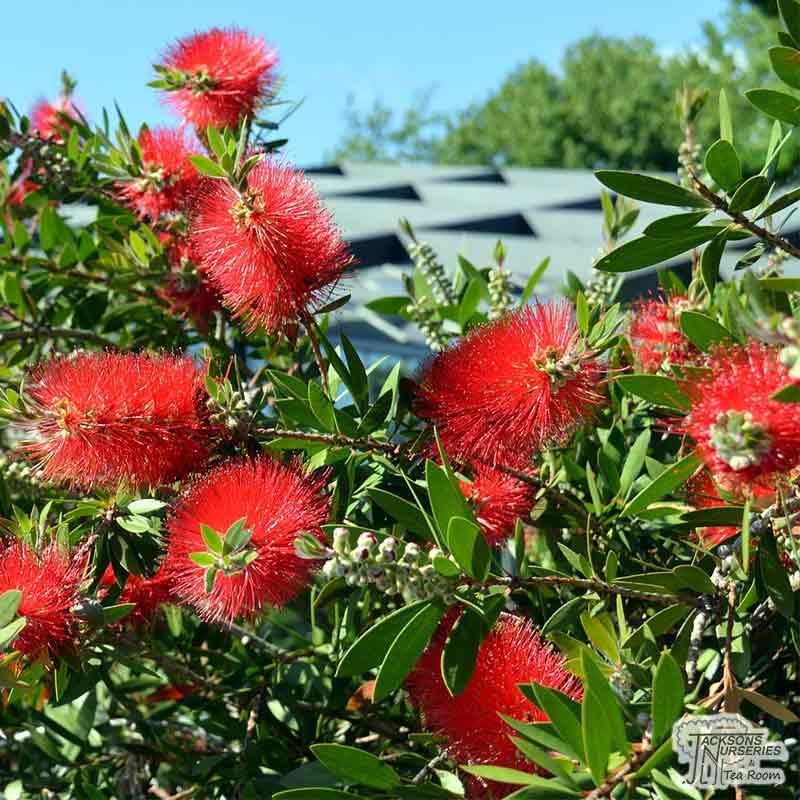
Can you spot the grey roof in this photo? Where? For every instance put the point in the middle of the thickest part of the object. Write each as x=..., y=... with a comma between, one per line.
x=464, y=210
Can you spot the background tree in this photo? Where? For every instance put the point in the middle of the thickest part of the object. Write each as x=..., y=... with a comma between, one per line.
x=611, y=105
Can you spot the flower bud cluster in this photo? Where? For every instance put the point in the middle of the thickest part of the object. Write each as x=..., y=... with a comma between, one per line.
x=424, y=258
x=49, y=162
x=499, y=292
x=409, y=573
x=425, y=316
x=229, y=408
x=600, y=289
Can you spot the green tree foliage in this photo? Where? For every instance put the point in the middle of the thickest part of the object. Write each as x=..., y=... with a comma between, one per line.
x=610, y=105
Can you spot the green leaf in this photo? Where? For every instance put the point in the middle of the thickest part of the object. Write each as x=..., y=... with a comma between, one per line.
x=598, y=684
x=669, y=480
x=359, y=383
x=774, y=577
x=644, y=251
x=749, y=194
x=115, y=613
x=789, y=394
x=406, y=513
x=447, y=501
x=695, y=578
x=786, y=63
x=543, y=789
x=778, y=105
x=790, y=15
x=468, y=546
x=656, y=389
x=312, y=793
x=236, y=537
x=9, y=604
x=649, y=189
x=668, y=692
x=215, y=141
x=596, y=745
x=354, y=765
x=784, y=201
x=723, y=515
x=658, y=624
x=212, y=539
x=500, y=774
x=600, y=636
x=10, y=632
x=675, y=224
x=723, y=165
x=145, y=506
x=710, y=260
x=203, y=558
x=206, y=166
x=725, y=123
x=582, y=313
x=370, y=648
x=533, y=281
x=406, y=649
x=702, y=331
x=461, y=650
x=322, y=407
x=634, y=462
x=563, y=714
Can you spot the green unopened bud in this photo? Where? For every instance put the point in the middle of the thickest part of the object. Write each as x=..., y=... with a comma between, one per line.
x=739, y=441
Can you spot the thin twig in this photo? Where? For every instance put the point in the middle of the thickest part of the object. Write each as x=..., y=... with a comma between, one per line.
x=356, y=442
x=592, y=585
x=311, y=330
x=43, y=332
x=623, y=773
x=762, y=233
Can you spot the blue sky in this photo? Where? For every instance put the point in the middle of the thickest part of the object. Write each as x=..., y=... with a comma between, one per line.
x=328, y=49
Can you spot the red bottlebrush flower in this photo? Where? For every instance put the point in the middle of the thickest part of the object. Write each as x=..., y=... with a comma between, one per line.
x=511, y=386
x=187, y=293
x=168, y=177
x=169, y=693
x=147, y=593
x=103, y=418
x=223, y=76
x=278, y=503
x=499, y=501
x=656, y=334
x=512, y=653
x=21, y=186
x=45, y=120
x=744, y=436
x=272, y=250
x=49, y=583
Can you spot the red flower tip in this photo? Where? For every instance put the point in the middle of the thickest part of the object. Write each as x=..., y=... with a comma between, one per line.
x=45, y=120
x=168, y=177
x=499, y=500
x=511, y=386
x=49, y=583
x=147, y=593
x=744, y=436
x=513, y=653
x=272, y=250
x=103, y=418
x=278, y=503
x=656, y=334
x=224, y=74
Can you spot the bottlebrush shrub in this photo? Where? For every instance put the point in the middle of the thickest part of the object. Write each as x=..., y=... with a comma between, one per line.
x=237, y=561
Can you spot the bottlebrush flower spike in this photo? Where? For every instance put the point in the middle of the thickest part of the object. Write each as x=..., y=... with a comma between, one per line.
x=168, y=177
x=148, y=593
x=512, y=653
x=511, y=386
x=277, y=503
x=499, y=501
x=49, y=583
x=744, y=436
x=656, y=335
x=272, y=250
x=219, y=76
x=45, y=120
x=102, y=418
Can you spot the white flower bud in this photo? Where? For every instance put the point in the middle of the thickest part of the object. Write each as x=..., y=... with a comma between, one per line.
x=368, y=540
x=341, y=540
